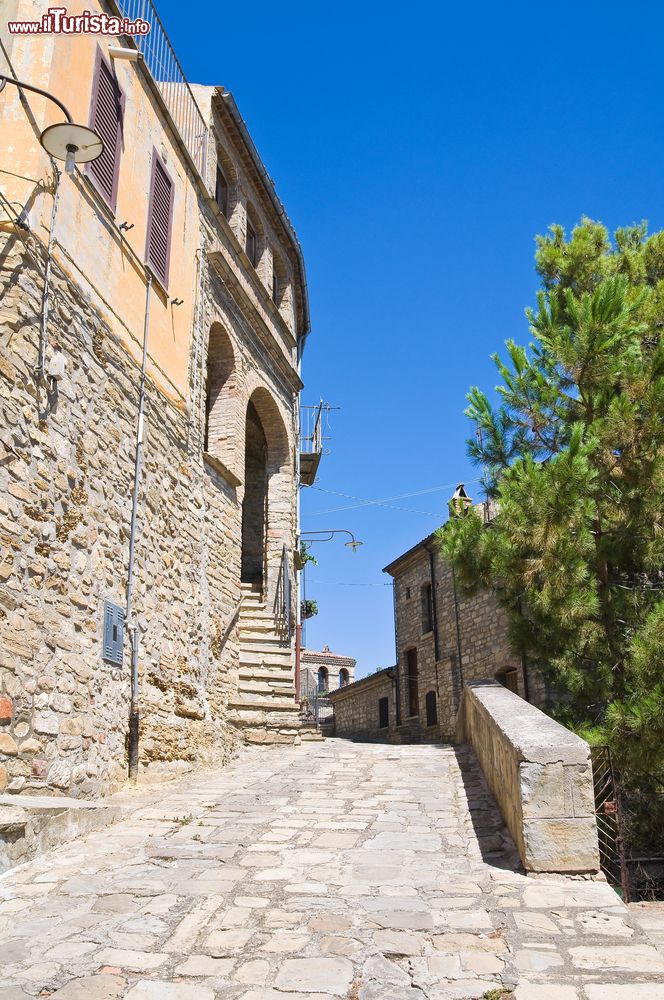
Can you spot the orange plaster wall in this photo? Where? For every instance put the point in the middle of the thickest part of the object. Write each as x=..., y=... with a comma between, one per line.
x=88, y=244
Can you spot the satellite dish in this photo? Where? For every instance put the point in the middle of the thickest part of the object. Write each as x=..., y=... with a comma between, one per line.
x=71, y=143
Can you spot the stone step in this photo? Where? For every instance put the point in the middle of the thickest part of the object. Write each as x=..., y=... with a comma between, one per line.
x=264, y=644
x=278, y=686
x=249, y=656
x=260, y=703
x=251, y=672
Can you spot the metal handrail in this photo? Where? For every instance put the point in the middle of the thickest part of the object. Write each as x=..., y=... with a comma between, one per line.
x=167, y=73
x=284, y=601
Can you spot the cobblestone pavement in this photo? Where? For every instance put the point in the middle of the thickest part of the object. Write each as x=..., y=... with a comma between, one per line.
x=322, y=871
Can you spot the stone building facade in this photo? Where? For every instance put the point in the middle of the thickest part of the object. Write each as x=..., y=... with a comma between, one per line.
x=322, y=671
x=217, y=296
x=443, y=640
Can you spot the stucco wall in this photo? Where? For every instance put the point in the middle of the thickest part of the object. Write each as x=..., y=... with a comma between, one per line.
x=540, y=774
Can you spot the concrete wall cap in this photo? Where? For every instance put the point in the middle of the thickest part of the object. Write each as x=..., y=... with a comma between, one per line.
x=535, y=737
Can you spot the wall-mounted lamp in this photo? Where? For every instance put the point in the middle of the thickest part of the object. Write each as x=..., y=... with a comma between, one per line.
x=353, y=544
x=177, y=302
x=64, y=140
x=126, y=226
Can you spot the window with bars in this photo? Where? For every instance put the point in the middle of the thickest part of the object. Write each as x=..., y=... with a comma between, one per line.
x=160, y=219
x=221, y=192
x=106, y=112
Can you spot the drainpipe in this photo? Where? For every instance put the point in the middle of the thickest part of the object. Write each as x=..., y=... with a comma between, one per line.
x=396, y=654
x=43, y=328
x=132, y=628
x=434, y=614
x=458, y=633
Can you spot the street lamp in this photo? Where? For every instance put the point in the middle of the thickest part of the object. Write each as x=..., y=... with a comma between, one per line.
x=353, y=544
x=65, y=140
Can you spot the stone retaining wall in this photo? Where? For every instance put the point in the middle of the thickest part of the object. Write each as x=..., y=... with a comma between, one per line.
x=540, y=774
x=356, y=707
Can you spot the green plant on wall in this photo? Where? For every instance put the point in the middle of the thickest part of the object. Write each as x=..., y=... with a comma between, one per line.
x=308, y=609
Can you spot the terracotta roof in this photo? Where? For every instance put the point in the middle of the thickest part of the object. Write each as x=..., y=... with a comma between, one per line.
x=326, y=655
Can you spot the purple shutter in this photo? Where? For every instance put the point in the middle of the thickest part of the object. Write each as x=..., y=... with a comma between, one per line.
x=106, y=119
x=160, y=218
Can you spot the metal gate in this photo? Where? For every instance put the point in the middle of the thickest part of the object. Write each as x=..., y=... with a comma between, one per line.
x=609, y=820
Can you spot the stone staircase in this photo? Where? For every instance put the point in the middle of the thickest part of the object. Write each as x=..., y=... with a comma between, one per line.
x=264, y=709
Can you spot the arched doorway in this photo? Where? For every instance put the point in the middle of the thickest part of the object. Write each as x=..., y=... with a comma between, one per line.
x=322, y=680
x=267, y=502
x=254, y=504
x=343, y=677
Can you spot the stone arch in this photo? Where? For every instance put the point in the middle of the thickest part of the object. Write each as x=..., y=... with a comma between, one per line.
x=220, y=432
x=267, y=506
x=323, y=679
x=344, y=677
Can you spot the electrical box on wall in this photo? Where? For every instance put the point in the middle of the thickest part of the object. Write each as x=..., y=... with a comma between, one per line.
x=113, y=640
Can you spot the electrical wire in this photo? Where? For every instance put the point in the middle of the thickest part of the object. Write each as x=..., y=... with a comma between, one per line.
x=384, y=501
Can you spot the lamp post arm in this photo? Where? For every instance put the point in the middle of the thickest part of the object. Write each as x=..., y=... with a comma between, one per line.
x=36, y=90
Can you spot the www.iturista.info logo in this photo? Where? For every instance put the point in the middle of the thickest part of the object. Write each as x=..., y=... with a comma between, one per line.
x=56, y=21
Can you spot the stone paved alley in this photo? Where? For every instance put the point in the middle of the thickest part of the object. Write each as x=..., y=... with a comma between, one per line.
x=329, y=870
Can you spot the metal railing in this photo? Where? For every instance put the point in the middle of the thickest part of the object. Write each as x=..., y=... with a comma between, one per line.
x=160, y=59
x=311, y=429
x=609, y=821
x=284, y=596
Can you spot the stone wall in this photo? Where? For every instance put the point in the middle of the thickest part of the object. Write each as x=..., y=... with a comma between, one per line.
x=65, y=496
x=463, y=639
x=356, y=707
x=540, y=774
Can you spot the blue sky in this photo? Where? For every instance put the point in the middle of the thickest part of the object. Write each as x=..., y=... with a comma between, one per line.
x=418, y=150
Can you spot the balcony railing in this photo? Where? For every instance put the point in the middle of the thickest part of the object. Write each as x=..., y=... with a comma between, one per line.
x=311, y=442
x=161, y=61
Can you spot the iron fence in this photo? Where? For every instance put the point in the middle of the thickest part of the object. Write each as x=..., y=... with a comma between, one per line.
x=629, y=823
x=165, y=69
x=284, y=596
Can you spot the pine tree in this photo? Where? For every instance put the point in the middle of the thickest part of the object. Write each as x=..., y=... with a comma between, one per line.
x=573, y=455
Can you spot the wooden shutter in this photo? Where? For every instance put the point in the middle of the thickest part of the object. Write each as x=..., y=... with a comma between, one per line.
x=106, y=119
x=160, y=217
x=221, y=192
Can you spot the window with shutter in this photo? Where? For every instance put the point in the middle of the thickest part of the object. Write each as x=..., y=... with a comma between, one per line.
x=160, y=217
x=221, y=192
x=106, y=119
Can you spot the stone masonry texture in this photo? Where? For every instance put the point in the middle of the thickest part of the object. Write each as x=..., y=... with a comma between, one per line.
x=540, y=774
x=453, y=638
x=351, y=871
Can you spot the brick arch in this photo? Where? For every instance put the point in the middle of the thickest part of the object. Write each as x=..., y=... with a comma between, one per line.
x=222, y=391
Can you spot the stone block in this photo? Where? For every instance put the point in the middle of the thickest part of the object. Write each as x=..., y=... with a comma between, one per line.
x=6, y=711
x=560, y=845
x=8, y=745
